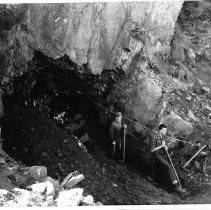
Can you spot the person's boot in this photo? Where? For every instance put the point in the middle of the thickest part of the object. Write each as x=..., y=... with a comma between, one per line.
x=181, y=191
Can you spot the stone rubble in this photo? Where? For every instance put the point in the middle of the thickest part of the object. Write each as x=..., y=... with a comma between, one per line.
x=45, y=191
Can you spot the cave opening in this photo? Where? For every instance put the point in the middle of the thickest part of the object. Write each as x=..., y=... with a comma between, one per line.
x=58, y=90
x=59, y=93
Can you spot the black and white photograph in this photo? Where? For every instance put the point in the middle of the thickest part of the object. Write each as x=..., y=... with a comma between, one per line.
x=105, y=104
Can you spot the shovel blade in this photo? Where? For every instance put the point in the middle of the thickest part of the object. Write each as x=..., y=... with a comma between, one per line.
x=184, y=169
x=185, y=165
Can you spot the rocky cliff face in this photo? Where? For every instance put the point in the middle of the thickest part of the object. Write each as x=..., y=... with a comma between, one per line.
x=191, y=46
x=89, y=33
x=135, y=37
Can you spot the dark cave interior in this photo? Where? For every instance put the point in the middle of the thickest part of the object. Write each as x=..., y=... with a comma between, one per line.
x=51, y=87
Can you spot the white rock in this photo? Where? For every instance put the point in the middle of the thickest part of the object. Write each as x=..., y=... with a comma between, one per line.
x=46, y=187
x=54, y=182
x=23, y=197
x=38, y=188
x=50, y=188
x=88, y=200
x=69, y=197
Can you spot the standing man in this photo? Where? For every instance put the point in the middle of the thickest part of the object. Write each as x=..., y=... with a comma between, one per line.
x=116, y=134
x=158, y=147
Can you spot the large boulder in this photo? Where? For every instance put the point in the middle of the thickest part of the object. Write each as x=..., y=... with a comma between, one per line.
x=177, y=126
x=47, y=187
x=38, y=173
x=139, y=99
x=92, y=33
x=142, y=104
x=69, y=197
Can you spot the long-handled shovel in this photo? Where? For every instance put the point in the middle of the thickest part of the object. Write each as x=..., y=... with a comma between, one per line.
x=124, y=141
x=188, y=162
x=113, y=149
x=173, y=168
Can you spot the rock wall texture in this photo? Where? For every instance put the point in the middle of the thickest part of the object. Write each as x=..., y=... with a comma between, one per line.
x=163, y=47
x=191, y=44
x=89, y=33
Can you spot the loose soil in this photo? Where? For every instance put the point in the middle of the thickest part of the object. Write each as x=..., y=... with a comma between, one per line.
x=35, y=139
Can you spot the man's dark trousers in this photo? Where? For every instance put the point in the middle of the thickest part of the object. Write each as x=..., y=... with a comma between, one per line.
x=158, y=157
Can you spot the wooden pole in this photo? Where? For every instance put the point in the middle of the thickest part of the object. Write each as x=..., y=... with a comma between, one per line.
x=124, y=144
x=188, y=162
x=173, y=168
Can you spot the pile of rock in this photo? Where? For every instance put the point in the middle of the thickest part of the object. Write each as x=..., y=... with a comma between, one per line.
x=43, y=190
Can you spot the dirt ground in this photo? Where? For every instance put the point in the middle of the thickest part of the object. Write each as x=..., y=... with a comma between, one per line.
x=34, y=139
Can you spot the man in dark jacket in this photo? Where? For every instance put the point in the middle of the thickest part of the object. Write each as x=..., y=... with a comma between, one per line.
x=116, y=134
x=158, y=147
